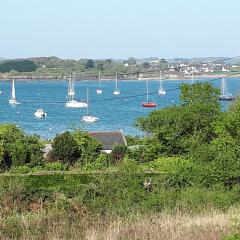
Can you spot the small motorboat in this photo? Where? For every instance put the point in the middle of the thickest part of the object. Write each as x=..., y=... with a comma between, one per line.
x=99, y=91
x=40, y=113
x=90, y=118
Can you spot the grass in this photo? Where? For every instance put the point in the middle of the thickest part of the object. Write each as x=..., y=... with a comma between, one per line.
x=78, y=224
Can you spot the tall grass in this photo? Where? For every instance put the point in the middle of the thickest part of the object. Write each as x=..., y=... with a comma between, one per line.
x=77, y=224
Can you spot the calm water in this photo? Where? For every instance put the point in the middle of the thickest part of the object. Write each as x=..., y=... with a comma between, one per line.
x=114, y=113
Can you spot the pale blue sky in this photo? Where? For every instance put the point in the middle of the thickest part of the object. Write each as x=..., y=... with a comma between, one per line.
x=119, y=28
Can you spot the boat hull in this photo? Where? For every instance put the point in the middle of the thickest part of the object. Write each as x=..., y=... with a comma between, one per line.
x=99, y=91
x=149, y=105
x=90, y=119
x=76, y=104
x=227, y=98
x=13, y=101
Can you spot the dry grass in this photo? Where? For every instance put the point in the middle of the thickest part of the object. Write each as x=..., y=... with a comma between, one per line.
x=58, y=226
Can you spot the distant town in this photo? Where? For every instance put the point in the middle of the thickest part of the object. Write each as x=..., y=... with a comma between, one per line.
x=131, y=68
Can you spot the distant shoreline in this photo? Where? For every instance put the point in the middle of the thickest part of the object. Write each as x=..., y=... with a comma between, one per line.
x=165, y=78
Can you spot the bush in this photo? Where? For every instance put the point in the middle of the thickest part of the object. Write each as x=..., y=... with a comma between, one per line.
x=55, y=166
x=65, y=148
x=100, y=163
x=118, y=152
x=20, y=170
x=88, y=147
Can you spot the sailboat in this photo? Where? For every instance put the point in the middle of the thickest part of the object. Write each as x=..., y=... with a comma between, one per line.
x=225, y=94
x=99, y=90
x=116, y=90
x=1, y=92
x=192, y=75
x=161, y=90
x=149, y=104
x=89, y=118
x=71, y=101
x=13, y=99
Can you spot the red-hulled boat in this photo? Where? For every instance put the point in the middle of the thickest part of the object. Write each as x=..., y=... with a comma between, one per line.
x=149, y=104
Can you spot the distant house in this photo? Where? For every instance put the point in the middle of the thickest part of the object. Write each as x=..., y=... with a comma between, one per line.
x=224, y=69
x=109, y=139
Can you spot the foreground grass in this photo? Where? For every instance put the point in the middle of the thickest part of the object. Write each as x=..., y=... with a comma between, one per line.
x=117, y=205
x=80, y=225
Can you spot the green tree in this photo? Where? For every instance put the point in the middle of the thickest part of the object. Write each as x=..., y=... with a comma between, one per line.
x=89, y=64
x=17, y=148
x=65, y=148
x=179, y=129
x=88, y=147
x=146, y=65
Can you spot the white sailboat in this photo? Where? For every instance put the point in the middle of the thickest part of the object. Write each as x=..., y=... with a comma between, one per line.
x=99, y=90
x=1, y=92
x=116, y=90
x=71, y=101
x=192, y=76
x=13, y=99
x=225, y=94
x=161, y=90
x=89, y=118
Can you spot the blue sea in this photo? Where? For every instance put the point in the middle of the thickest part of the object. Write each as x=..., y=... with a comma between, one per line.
x=115, y=112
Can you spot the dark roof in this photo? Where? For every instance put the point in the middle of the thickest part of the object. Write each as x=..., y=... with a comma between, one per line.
x=109, y=139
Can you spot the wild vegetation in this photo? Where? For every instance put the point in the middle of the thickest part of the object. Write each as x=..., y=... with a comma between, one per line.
x=18, y=66
x=180, y=181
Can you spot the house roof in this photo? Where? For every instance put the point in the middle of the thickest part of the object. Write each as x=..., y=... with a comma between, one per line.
x=109, y=139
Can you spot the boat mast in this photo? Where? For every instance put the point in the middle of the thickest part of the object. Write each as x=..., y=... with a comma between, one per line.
x=13, y=89
x=223, y=87
x=192, y=74
x=99, y=76
x=160, y=80
x=147, y=90
x=87, y=102
x=116, y=81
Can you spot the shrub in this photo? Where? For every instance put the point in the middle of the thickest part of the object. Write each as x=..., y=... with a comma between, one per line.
x=20, y=170
x=88, y=147
x=100, y=163
x=55, y=166
x=168, y=164
x=65, y=148
x=119, y=152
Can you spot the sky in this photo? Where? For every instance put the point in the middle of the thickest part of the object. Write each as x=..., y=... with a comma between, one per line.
x=119, y=28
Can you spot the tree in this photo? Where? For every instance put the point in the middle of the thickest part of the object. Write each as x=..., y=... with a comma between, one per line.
x=88, y=147
x=18, y=65
x=180, y=129
x=65, y=148
x=100, y=65
x=146, y=65
x=131, y=61
x=17, y=148
x=89, y=64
